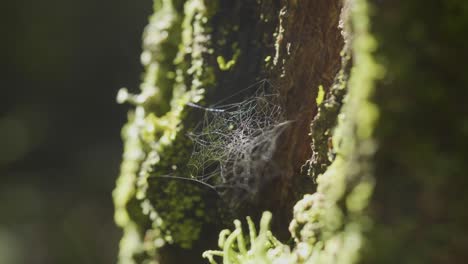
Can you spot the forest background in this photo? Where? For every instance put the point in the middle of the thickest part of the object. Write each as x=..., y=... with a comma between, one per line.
x=60, y=148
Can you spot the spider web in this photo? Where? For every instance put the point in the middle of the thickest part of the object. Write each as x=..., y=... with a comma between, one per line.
x=235, y=143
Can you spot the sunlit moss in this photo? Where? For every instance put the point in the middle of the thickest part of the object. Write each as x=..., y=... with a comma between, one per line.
x=226, y=65
x=320, y=95
x=258, y=248
x=169, y=84
x=349, y=177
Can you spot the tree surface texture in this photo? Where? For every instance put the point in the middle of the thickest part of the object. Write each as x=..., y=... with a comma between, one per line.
x=334, y=126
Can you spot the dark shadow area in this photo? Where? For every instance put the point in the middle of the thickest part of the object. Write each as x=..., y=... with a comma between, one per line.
x=62, y=64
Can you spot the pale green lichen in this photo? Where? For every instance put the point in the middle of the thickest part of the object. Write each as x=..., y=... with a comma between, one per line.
x=157, y=122
x=315, y=219
x=170, y=220
x=263, y=248
x=125, y=189
x=279, y=35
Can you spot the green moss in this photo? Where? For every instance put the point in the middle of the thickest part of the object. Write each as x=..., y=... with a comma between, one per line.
x=125, y=190
x=329, y=225
x=329, y=106
x=165, y=200
x=347, y=184
x=173, y=221
x=223, y=65
x=160, y=44
x=157, y=122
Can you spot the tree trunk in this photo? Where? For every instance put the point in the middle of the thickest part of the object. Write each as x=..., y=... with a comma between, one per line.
x=248, y=106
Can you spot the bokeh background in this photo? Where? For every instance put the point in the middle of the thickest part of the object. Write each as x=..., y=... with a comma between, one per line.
x=63, y=62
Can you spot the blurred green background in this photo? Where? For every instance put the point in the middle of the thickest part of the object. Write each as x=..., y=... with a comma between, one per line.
x=62, y=64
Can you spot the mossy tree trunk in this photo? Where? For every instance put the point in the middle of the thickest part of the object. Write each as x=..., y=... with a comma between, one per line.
x=199, y=52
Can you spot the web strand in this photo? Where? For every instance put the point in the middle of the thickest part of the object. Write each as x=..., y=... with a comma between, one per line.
x=235, y=143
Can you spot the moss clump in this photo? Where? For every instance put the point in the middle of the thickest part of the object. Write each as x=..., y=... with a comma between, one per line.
x=156, y=124
x=226, y=65
x=258, y=248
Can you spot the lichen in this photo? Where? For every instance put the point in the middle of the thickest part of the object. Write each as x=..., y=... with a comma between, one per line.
x=195, y=43
x=262, y=248
x=157, y=122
